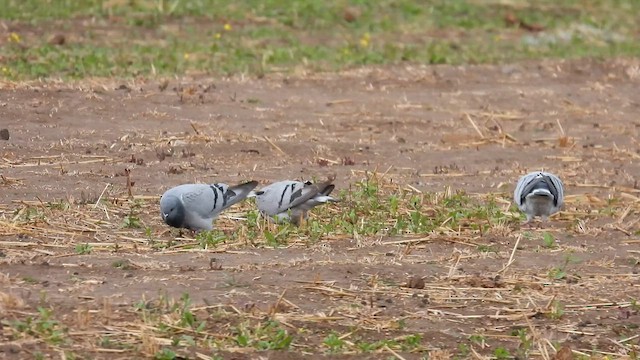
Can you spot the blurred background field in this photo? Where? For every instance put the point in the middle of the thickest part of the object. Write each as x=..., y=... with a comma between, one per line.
x=125, y=38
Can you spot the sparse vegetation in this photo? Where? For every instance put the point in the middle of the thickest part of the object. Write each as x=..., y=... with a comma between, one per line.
x=210, y=239
x=548, y=241
x=83, y=249
x=41, y=326
x=108, y=103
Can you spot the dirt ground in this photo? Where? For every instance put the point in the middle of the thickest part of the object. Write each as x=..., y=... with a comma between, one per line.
x=475, y=128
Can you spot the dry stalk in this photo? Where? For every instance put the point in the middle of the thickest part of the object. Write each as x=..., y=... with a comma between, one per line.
x=473, y=123
x=511, y=258
x=398, y=356
x=101, y=194
x=266, y=138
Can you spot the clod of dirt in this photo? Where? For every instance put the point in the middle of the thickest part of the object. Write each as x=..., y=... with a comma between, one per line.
x=162, y=154
x=4, y=134
x=11, y=349
x=564, y=353
x=347, y=161
x=565, y=141
x=572, y=279
x=350, y=14
x=163, y=85
x=207, y=88
x=249, y=307
x=250, y=151
x=415, y=282
x=124, y=87
x=484, y=282
x=512, y=20
x=623, y=314
x=279, y=307
x=175, y=170
x=214, y=265
x=187, y=153
x=137, y=161
x=57, y=39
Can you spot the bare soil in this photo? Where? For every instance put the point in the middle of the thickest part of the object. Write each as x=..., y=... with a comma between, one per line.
x=578, y=119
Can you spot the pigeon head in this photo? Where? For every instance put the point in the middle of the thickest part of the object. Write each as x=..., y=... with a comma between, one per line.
x=172, y=211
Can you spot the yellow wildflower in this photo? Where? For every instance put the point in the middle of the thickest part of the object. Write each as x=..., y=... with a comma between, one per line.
x=364, y=41
x=13, y=37
x=227, y=27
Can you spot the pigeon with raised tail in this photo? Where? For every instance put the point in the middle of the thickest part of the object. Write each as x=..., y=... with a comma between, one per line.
x=291, y=201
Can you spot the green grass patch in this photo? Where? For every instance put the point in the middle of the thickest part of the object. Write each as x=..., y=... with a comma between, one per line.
x=221, y=37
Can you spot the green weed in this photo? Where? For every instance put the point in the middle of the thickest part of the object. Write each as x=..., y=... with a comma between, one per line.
x=268, y=335
x=557, y=310
x=43, y=326
x=501, y=353
x=83, y=249
x=210, y=239
x=165, y=354
x=334, y=343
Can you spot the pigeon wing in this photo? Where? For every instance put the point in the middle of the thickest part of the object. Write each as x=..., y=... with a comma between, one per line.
x=556, y=188
x=237, y=193
x=203, y=200
x=308, y=192
x=524, y=186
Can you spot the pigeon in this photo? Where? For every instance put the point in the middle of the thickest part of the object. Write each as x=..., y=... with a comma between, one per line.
x=196, y=206
x=290, y=201
x=539, y=194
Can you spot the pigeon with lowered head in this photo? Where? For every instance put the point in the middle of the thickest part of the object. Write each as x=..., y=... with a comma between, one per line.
x=196, y=206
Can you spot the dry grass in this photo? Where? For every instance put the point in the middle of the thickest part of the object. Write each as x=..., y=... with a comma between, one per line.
x=408, y=265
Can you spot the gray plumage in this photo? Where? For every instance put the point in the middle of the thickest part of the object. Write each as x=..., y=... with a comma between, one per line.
x=196, y=206
x=291, y=200
x=539, y=194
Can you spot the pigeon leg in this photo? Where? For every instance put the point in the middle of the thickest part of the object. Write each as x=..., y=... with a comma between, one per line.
x=301, y=221
x=529, y=223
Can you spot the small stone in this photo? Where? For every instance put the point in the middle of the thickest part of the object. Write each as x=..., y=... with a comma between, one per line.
x=4, y=134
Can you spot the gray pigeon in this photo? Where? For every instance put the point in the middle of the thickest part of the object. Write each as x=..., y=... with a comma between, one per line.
x=291, y=200
x=196, y=206
x=539, y=194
